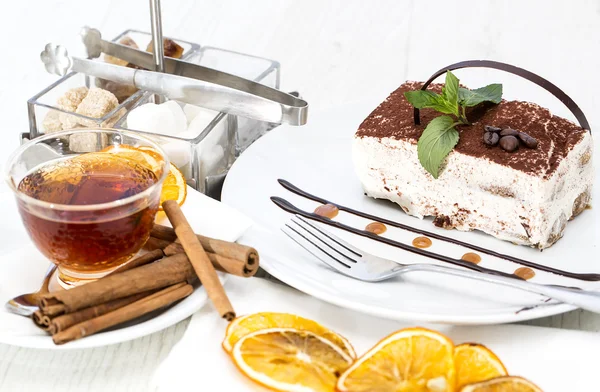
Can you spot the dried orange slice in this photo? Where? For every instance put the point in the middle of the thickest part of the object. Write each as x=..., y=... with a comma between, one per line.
x=150, y=159
x=410, y=360
x=476, y=363
x=503, y=384
x=245, y=325
x=174, y=187
x=151, y=151
x=286, y=359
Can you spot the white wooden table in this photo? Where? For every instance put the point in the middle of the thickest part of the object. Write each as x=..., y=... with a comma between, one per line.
x=333, y=52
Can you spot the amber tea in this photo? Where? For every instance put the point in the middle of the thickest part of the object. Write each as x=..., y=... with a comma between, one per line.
x=98, y=239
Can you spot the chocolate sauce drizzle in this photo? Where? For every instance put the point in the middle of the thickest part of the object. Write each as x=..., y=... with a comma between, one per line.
x=590, y=277
x=528, y=75
x=526, y=308
x=289, y=207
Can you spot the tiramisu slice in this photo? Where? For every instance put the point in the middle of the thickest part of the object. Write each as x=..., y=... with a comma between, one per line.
x=525, y=196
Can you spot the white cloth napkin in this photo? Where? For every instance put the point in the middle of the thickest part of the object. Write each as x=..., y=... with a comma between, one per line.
x=23, y=266
x=544, y=355
x=210, y=217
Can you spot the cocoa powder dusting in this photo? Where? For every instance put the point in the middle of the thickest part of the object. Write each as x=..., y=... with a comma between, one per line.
x=556, y=136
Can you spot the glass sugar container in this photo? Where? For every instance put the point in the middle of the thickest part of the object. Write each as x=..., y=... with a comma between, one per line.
x=56, y=107
x=198, y=141
x=207, y=147
x=254, y=68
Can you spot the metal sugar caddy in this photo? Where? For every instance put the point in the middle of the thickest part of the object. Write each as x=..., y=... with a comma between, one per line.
x=207, y=149
x=45, y=101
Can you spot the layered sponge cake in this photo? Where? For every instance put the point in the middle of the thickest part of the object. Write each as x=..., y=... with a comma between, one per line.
x=526, y=196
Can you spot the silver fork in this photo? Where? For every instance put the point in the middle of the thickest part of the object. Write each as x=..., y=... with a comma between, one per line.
x=357, y=264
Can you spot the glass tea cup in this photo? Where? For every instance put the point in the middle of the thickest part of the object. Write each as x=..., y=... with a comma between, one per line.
x=87, y=198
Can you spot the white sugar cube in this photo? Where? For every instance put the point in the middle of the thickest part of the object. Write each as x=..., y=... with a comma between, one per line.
x=191, y=111
x=178, y=151
x=178, y=116
x=201, y=120
x=152, y=118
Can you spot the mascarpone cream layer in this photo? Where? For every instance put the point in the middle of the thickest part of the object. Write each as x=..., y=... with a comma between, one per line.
x=474, y=193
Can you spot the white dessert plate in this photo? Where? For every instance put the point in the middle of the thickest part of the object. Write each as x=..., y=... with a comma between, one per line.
x=22, y=269
x=317, y=159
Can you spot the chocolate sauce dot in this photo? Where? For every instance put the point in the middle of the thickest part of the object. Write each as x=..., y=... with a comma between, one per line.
x=422, y=242
x=376, y=228
x=471, y=257
x=327, y=211
x=525, y=273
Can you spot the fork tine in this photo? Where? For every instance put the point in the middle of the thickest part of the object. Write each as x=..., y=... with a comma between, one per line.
x=334, y=242
x=315, y=250
x=316, y=239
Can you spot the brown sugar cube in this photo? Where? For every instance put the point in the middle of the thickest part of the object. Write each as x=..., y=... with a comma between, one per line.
x=72, y=98
x=69, y=121
x=96, y=104
x=171, y=48
x=113, y=120
x=87, y=142
x=51, y=122
x=127, y=41
x=69, y=102
x=120, y=90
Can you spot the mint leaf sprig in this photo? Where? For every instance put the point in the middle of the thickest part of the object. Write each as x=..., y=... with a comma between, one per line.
x=440, y=136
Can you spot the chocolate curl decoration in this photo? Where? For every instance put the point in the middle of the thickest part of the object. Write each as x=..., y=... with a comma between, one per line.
x=547, y=85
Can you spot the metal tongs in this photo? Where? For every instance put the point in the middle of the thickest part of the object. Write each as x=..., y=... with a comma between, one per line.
x=182, y=81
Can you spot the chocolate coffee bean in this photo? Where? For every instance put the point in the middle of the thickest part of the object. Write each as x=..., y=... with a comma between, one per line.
x=509, y=132
x=491, y=138
x=489, y=128
x=509, y=143
x=527, y=140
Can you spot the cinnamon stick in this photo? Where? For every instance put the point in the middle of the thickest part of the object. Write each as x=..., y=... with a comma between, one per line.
x=199, y=260
x=41, y=320
x=221, y=263
x=230, y=250
x=126, y=313
x=59, y=323
x=157, y=275
x=62, y=322
x=139, y=261
x=244, y=268
x=154, y=243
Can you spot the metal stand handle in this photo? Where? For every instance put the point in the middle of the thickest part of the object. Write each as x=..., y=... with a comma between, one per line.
x=157, y=41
